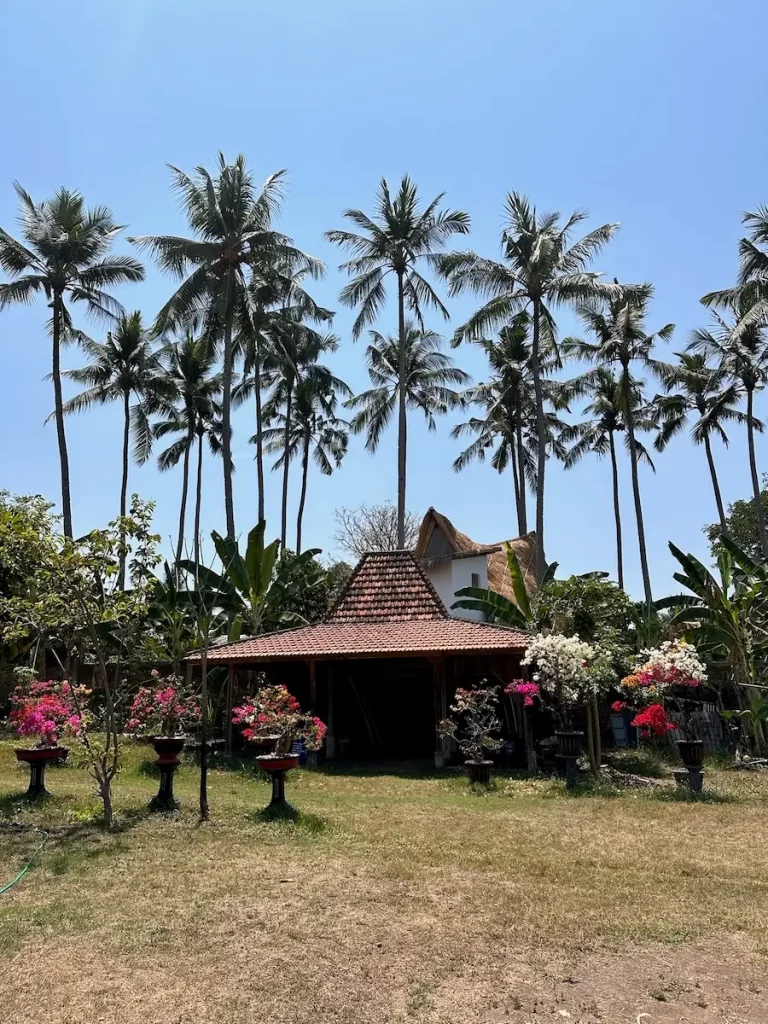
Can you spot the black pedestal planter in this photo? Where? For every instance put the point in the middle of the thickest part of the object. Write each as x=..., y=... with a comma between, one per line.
x=167, y=749
x=479, y=771
x=691, y=752
x=276, y=766
x=569, y=746
x=38, y=758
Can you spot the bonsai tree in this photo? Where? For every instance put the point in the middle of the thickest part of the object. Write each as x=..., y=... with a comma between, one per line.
x=474, y=723
x=162, y=710
x=274, y=712
x=674, y=665
x=45, y=711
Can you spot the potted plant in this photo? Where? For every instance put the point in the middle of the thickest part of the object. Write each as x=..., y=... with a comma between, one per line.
x=163, y=712
x=475, y=725
x=273, y=713
x=45, y=711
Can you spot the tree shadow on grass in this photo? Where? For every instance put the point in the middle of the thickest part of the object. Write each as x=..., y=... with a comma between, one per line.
x=287, y=814
x=404, y=769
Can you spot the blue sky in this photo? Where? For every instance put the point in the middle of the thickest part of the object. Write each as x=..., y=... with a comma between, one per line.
x=651, y=114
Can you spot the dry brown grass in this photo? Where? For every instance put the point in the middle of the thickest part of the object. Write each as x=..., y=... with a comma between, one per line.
x=392, y=899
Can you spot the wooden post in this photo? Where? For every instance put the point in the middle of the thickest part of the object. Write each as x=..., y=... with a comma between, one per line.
x=330, y=736
x=441, y=709
x=230, y=701
x=312, y=684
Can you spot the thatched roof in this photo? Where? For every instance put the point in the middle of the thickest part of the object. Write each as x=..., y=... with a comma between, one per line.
x=460, y=545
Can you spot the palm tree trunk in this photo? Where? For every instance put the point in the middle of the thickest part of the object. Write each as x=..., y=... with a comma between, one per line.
x=617, y=511
x=715, y=484
x=286, y=467
x=754, y=475
x=226, y=405
x=541, y=445
x=513, y=453
x=523, y=524
x=636, y=487
x=66, y=500
x=259, y=439
x=124, y=486
x=303, y=498
x=402, y=428
x=198, y=495
x=184, y=490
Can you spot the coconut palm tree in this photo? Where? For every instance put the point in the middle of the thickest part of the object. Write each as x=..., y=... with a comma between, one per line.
x=65, y=256
x=598, y=436
x=231, y=221
x=695, y=388
x=121, y=368
x=293, y=362
x=738, y=343
x=314, y=430
x=415, y=375
x=540, y=269
x=275, y=294
x=618, y=325
x=195, y=414
x=400, y=238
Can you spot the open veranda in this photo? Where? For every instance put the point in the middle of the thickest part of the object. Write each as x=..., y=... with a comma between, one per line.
x=393, y=896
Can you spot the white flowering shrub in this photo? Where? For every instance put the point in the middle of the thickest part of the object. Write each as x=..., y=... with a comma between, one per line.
x=562, y=666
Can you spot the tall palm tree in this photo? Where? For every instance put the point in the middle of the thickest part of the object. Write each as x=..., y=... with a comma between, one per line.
x=695, y=388
x=598, y=435
x=275, y=294
x=314, y=430
x=738, y=342
x=621, y=338
x=121, y=368
x=231, y=221
x=195, y=414
x=411, y=375
x=65, y=256
x=540, y=269
x=285, y=368
x=398, y=239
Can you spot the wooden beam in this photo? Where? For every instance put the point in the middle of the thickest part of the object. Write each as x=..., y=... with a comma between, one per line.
x=441, y=708
x=312, y=683
x=230, y=701
x=330, y=736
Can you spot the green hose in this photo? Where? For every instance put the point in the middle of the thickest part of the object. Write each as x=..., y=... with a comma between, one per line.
x=26, y=867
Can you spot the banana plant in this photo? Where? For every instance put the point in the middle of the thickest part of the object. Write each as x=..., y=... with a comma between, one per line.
x=498, y=608
x=248, y=586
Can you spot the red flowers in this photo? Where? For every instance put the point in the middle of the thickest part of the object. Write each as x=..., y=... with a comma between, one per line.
x=46, y=711
x=619, y=705
x=273, y=710
x=526, y=690
x=163, y=711
x=653, y=721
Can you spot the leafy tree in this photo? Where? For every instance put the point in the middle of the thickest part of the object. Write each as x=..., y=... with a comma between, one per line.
x=123, y=367
x=398, y=239
x=739, y=345
x=231, y=221
x=195, y=414
x=621, y=337
x=741, y=526
x=407, y=372
x=597, y=435
x=65, y=256
x=540, y=269
x=373, y=528
x=696, y=388
x=306, y=588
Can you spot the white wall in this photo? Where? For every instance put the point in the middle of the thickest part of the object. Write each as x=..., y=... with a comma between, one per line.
x=450, y=576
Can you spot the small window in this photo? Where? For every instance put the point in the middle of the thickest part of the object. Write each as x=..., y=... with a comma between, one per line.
x=475, y=579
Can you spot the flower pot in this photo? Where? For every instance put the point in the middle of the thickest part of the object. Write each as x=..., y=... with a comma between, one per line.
x=479, y=771
x=691, y=752
x=569, y=744
x=167, y=749
x=276, y=766
x=265, y=744
x=38, y=758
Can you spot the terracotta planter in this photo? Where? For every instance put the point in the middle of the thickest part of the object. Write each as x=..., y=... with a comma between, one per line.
x=276, y=766
x=569, y=744
x=38, y=758
x=167, y=749
x=264, y=744
x=691, y=752
x=479, y=771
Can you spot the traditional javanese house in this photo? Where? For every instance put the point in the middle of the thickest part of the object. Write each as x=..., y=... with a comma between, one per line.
x=381, y=668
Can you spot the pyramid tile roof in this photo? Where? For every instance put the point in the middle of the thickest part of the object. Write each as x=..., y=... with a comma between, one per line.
x=388, y=609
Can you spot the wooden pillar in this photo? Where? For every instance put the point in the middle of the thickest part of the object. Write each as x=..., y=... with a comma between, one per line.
x=312, y=684
x=228, y=712
x=330, y=736
x=441, y=709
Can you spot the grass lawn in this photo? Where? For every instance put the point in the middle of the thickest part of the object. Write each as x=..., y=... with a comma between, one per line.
x=393, y=898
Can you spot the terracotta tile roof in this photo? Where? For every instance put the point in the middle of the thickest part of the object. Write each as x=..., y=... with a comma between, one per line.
x=388, y=609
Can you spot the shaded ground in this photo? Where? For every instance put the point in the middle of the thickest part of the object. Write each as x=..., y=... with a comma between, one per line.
x=391, y=899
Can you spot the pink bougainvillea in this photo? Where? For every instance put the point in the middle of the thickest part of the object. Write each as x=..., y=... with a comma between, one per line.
x=274, y=711
x=526, y=690
x=45, y=710
x=164, y=710
x=653, y=721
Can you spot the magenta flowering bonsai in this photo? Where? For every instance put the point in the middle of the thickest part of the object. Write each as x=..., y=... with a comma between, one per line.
x=164, y=709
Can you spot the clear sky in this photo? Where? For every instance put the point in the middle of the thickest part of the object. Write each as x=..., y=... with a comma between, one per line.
x=649, y=113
